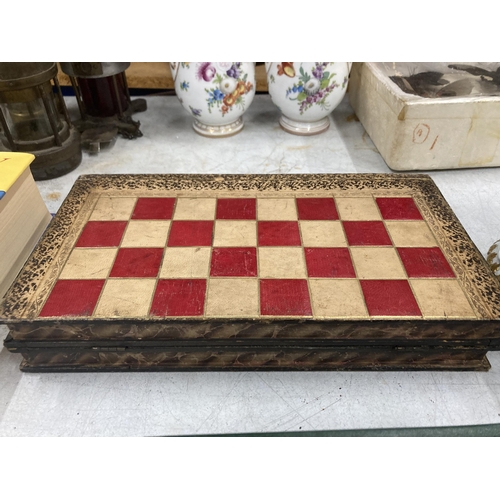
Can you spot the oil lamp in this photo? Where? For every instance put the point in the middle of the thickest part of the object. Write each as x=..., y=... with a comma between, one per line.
x=34, y=118
x=104, y=102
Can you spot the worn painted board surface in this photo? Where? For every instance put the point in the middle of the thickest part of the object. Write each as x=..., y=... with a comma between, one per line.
x=319, y=254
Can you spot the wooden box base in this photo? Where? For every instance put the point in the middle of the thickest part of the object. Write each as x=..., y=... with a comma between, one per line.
x=250, y=358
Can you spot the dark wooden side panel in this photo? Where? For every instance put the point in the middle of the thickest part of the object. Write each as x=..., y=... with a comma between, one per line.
x=236, y=330
x=217, y=360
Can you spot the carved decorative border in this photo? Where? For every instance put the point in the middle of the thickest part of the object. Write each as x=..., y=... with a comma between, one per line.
x=269, y=359
x=27, y=294
x=306, y=333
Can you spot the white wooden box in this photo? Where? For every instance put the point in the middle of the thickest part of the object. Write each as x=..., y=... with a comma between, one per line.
x=427, y=133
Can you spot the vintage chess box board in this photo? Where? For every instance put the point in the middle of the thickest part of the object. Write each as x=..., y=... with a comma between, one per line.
x=255, y=272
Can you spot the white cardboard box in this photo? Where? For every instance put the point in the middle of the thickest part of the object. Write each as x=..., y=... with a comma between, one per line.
x=420, y=133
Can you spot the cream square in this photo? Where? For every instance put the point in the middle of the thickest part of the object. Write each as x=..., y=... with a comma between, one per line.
x=186, y=262
x=146, y=233
x=113, y=208
x=441, y=298
x=276, y=209
x=410, y=234
x=377, y=263
x=125, y=298
x=358, y=208
x=238, y=298
x=195, y=209
x=89, y=263
x=282, y=262
x=337, y=299
x=230, y=233
x=322, y=233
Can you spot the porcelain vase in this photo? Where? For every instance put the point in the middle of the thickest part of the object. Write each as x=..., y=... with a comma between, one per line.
x=306, y=93
x=216, y=94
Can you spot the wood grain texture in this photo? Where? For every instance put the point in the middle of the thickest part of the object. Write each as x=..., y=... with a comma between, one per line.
x=157, y=75
x=263, y=360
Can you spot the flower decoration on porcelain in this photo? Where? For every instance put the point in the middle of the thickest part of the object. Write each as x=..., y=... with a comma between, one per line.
x=313, y=88
x=195, y=112
x=223, y=66
x=219, y=93
x=230, y=88
x=306, y=93
x=287, y=69
x=205, y=71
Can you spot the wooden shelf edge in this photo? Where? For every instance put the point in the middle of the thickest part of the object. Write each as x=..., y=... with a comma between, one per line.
x=157, y=75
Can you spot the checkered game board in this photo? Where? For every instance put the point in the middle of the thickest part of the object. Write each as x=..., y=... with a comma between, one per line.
x=325, y=256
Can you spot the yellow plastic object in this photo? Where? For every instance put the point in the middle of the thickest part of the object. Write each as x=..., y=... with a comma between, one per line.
x=12, y=165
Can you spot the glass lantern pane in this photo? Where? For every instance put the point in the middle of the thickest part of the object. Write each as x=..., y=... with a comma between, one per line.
x=28, y=121
x=99, y=95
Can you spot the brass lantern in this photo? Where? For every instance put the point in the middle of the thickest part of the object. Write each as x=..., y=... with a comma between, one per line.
x=104, y=102
x=34, y=118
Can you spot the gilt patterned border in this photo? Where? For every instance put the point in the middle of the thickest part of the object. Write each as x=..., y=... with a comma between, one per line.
x=27, y=294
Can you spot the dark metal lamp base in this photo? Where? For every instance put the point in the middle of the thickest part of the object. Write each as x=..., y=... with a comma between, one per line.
x=57, y=161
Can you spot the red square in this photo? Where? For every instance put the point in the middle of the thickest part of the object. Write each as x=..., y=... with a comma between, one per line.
x=154, y=208
x=398, y=209
x=191, y=233
x=73, y=298
x=329, y=263
x=179, y=298
x=317, y=209
x=236, y=208
x=234, y=262
x=284, y=298
x=389, y=298
x=102, y=234
x=425, y=263
x=137, y=263
x=366, y=233
x=278, y=234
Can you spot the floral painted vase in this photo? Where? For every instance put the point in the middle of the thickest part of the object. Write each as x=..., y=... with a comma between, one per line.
x=306, y=93
x=216, y=94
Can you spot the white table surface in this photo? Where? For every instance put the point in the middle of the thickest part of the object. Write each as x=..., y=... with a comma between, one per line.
x=154, y=404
